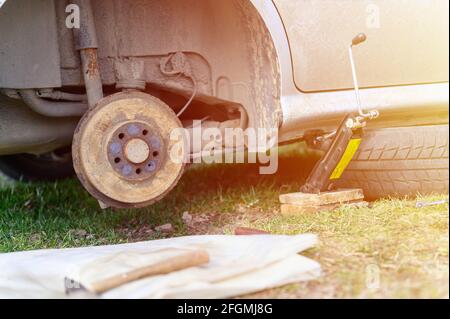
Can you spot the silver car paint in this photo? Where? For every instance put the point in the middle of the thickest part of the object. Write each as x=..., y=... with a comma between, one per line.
x=398, y=105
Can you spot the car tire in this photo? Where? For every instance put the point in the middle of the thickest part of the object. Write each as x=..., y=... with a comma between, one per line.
x=400, y=161
x=32, y=168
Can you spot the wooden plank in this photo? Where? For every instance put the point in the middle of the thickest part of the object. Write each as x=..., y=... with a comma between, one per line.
x=303, y=203
x=288, y=209
x=326, y=198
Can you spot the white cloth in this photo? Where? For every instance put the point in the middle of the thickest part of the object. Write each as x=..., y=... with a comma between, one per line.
x=238, y=265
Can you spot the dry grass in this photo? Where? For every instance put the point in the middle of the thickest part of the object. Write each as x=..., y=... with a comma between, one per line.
x=408, y=247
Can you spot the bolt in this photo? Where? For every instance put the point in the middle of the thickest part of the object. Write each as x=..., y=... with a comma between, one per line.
x=133, y=129
x=350, y=123
x=115, y=148
x=126, y=170
x=155, y=142
x=151, y=166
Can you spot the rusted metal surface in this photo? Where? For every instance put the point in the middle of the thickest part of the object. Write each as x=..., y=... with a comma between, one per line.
x=86, y=42
x=136, y=150
x=97, y=132
x=92, y=70
x=91, y=74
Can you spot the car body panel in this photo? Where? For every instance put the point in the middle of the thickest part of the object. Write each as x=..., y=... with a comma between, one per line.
x=29, y=51
x=407, y=43
x=406, y=105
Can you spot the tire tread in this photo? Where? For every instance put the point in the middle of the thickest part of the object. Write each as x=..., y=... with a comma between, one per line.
x=402, y=161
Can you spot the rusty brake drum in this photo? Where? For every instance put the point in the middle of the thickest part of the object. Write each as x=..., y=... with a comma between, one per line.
x=124, y=153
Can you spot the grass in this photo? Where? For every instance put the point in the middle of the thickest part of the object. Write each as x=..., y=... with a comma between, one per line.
x=406, y=247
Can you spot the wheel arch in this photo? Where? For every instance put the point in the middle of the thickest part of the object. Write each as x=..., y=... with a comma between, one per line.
x=228, y=43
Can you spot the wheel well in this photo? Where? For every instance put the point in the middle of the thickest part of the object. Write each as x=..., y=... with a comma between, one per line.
x=226, y=43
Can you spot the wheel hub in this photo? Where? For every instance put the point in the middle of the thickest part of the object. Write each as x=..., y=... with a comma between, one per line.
x=121, y=150
x=135, y=151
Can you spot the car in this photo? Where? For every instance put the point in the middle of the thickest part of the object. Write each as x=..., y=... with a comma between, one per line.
x=99, y=86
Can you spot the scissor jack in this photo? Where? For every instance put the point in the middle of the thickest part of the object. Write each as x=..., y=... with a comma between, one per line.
x=332, y=164
x=318, y=192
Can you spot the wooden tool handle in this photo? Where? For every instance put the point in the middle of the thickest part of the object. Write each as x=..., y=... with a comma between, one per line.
x=190, y=259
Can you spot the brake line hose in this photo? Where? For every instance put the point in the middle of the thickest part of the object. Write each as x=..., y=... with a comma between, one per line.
x=180, y=66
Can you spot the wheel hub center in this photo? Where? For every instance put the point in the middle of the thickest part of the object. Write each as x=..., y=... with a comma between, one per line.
x=137, y=151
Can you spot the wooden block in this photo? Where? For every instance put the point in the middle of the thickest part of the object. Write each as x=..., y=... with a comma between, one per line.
x=301, y=199
x=302, y=203
x=326, y=198
x=342, y=196
x=289, y=209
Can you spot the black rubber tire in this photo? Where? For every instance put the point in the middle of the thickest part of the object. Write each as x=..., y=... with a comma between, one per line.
x=400, y=161
x=30, y=168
